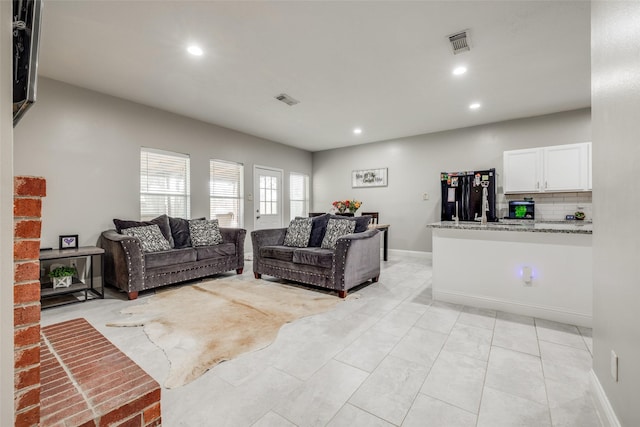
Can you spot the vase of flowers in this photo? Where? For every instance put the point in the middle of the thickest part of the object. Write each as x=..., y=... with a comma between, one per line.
x=353, y=205
x=347, y=205
x=340, y=206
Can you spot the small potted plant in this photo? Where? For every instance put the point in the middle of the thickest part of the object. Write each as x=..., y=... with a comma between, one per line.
x=62, y=276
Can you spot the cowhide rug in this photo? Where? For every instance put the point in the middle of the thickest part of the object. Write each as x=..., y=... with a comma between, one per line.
x=201, y=325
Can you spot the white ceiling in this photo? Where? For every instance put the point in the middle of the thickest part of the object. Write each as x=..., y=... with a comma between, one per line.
x=384, y=66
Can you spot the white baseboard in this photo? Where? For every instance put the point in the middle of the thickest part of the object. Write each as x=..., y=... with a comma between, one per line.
x=605, y=411
x=417, y=254
x=542, y=312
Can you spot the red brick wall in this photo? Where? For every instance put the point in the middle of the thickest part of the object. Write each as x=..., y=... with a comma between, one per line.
x=27, y=210
x=87, y=381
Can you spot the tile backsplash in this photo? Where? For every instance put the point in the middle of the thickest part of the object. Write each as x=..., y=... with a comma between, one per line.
x=550, y=206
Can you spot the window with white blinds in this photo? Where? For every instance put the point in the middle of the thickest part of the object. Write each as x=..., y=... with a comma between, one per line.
x=298, y=194
x=226, y=192
x=164, y=184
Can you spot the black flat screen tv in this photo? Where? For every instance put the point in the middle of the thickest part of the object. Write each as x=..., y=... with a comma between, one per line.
x=26, y=41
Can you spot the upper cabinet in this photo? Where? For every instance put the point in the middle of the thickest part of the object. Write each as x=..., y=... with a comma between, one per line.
x=548, y=169
x=522, y=171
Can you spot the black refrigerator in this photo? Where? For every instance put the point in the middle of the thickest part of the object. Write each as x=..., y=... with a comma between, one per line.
x=462, y=195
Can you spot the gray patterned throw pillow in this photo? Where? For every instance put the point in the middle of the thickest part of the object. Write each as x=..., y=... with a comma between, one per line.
x=150, y=236
x=298, y=233
x=336, y=228
x=205, y=232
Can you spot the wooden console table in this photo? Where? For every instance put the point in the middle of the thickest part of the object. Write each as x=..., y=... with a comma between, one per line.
x=91, y=283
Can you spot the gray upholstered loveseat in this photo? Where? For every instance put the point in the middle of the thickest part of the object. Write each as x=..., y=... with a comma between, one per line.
x=354, y=261
x=129, y=268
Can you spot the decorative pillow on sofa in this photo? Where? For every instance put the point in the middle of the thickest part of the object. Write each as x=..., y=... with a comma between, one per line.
x=162, y=221
x=205, y=233
x=180, y=232
x=336, y=228
x=298, y=233
x=150, y=236
x=318, y=228
x=362, y=222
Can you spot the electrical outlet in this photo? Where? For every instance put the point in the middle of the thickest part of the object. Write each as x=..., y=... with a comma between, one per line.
x=614, y=366
x=73, y=263
x=425, y=196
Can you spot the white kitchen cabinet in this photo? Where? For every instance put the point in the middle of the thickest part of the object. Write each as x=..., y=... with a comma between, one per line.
x=566, y=167
x=522, y=170
x=548, y=169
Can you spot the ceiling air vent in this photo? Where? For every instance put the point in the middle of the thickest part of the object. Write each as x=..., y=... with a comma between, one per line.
x=459, y=42
x=287, y=99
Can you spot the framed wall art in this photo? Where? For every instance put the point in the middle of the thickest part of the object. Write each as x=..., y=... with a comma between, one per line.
x=369, y=178
x=69, y=241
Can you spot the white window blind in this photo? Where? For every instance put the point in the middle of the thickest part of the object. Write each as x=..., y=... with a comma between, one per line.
x=226, y=192
x=298, y=194
x=164, y=184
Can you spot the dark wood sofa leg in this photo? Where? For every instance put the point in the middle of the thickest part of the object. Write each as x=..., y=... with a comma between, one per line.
x=132, y=295
x=257, y=275
x=375, y=279
x=342, y=294
x=239, y=270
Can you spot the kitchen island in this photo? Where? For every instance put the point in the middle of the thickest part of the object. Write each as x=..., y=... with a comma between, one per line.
x=539, y=269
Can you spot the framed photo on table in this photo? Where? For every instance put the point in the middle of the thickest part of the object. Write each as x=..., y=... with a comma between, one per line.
x=369, y=178
x=69, y=241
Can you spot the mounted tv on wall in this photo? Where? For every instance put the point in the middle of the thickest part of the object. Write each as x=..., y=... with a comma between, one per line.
x=26, y=40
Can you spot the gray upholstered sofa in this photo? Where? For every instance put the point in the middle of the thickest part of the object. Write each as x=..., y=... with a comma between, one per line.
x=354, y=261
x=130, y=269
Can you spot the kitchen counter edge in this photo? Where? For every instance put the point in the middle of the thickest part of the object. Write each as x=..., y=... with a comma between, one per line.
x=536, y=227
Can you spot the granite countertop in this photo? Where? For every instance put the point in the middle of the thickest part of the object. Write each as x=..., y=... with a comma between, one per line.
x=579, y=227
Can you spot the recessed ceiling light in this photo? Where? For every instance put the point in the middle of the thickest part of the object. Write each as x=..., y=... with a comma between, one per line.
x=195, y=50
x=357, y=131
x=459, y=71
x=474, y=106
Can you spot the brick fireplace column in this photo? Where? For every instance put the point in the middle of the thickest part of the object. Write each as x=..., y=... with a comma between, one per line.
x=27, y=210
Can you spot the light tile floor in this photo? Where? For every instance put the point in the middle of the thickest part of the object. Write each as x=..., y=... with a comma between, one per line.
x=392, y=357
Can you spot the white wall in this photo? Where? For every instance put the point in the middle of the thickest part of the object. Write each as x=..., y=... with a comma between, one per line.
x=6, y=218
x=615, y=35
x=415, y=164
x=87, y=146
